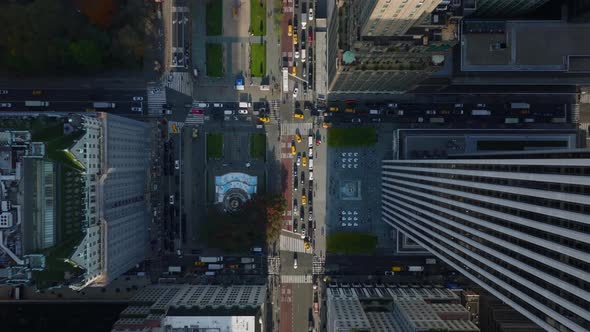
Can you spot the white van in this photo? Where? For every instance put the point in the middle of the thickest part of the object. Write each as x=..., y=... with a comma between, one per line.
x=202, y=105
x=374, y=112
x=311, y=175
x=311, y=164
x=310, y=141
x=217, y=105
x=228, y=112
x=244, y=104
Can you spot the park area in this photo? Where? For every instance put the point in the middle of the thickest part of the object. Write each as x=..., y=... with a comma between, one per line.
x=214, y=18
x=351, y=243
x=214, y=60
x=258, y=146
x=258, y=60
x=214, y=145
x=258, y=17
x=351, y=137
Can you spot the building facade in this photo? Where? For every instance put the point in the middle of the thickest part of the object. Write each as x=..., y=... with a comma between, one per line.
x=515, y=223
x=395, y=17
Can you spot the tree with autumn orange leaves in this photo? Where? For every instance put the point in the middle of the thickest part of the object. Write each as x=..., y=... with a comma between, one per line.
x=258, y=221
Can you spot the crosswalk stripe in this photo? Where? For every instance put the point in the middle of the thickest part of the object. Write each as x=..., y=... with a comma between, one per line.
x=288, y=243
x=181, y=82
x=290, y=128
x=296, y=279
x=156, y=99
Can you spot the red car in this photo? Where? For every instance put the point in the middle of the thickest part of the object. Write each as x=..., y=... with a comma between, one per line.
x=310, y=34
x=197, y=112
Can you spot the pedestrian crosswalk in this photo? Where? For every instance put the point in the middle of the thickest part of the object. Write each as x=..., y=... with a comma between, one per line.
x=290, y=128
x=318, y=265
x=290, y=243
x=275, y=115
x=296, y=279
x=194, y=119
x=181, y=82
x=156, y=98
x=274, y=265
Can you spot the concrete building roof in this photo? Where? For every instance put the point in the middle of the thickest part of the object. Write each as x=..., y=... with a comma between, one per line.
x=524, y=46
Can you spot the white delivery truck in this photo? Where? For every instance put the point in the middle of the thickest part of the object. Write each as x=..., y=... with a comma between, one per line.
x=415, y=268
x=36, y=103
x=215, y=266
x=480, y=112
x=210, y=259
x=101, y=104
x=244, y=104
x=303, y=21
x=311, y=164
x=303, y=57
x=310, y=141
x=174, y=269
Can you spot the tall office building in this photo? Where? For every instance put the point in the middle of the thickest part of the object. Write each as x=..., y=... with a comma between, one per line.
x=515, y=223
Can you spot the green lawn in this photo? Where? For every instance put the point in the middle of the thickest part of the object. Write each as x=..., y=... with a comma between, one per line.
x=258, y=17
x=258, y=60
x=214, y=18
x=214, y=60
x=258, y=146
x=347, y=137
x=351, y=243
x=214, y=145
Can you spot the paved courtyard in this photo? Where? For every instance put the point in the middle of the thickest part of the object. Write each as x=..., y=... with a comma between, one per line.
x=353, y=190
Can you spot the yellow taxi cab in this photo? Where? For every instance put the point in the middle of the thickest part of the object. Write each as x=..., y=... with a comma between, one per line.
x=290, y=30
x=350, y=110
x=37, y=92
x=306, y=244
x=397, y=268
x=264, y=119
x=326, y=125
x=299, y=116
x=333, y=109
x=294, y=70
x=294, y=39
x=303, y=199
x=298, y=138
x=90, y=110
x=293, y=150
x=199, y=263
x=304, y=161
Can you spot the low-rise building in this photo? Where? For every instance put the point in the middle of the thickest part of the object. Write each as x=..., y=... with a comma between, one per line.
x=199, y=307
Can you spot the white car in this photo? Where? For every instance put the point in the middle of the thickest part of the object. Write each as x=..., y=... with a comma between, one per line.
x=217, y=105
x=137, y=98
x=298, y=160
x=310, y=14
x=3, y=92
x=177, y=164
x=310, y=154
x=243, y=111
x=5, y=105
x=136, y=109
x=296, y=54
x=295, y=92
x=171, y=199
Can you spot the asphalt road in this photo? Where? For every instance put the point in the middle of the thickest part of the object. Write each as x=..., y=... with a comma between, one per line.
x=75, y=100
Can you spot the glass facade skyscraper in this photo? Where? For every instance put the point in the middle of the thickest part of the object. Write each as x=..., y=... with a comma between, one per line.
x=518, y=224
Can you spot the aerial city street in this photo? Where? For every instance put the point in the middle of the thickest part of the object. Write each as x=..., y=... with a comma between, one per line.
x=295, y=165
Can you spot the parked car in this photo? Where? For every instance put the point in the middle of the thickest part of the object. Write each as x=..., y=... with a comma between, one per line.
x=137, y=98
x=295, y=92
